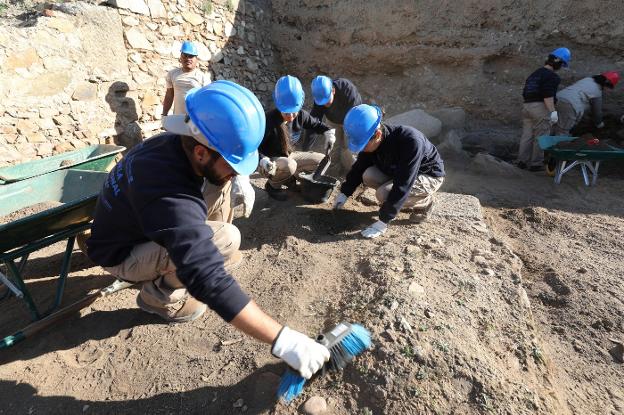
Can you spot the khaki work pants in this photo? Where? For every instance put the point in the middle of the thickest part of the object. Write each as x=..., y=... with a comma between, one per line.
x=421, y=195
x=150, y=263
x=341, y=148
x=535, y=122
x=295, y=163
x=568, y=118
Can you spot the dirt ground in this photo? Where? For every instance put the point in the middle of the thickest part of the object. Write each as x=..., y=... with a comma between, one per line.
x=508, y=308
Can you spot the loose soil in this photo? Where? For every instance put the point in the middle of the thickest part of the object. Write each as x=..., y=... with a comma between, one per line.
x=511, y=313
x=28, y=211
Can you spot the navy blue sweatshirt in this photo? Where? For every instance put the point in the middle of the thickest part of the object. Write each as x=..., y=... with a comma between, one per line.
x=345, y=98
x=403, y=154
x=541, y=84
x=271, y=145
x=152, y=194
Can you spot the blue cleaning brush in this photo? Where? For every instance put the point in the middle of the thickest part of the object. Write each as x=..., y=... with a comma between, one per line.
x=345, y=341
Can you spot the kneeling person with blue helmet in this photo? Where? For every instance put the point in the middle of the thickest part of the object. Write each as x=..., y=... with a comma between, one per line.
x=279, y=163
x=398, y=161
x=150, y=225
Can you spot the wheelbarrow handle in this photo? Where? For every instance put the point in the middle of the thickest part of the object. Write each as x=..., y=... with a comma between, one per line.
x=62, y=314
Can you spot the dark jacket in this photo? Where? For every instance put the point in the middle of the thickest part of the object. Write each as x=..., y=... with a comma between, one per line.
x=541, y=84
x=403, y=154
x=152, y=194
x=345, y=98
x=272, y=146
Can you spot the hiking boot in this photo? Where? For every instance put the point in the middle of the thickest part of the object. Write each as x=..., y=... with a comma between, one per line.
x=420, y=215
x=551, y=167
x=187, y=309
x=277, y=194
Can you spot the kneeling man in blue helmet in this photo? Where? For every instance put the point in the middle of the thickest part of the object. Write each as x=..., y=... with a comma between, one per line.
x=150, y=225
x=397, y=160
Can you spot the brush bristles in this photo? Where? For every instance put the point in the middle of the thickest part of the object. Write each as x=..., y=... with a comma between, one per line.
x=291, y=386
x=354, y=343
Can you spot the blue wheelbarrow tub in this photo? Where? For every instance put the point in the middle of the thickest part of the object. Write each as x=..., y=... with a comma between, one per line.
x=96, y=157
x=76, y=189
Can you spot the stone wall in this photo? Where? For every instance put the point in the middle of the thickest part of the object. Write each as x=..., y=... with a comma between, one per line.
x=87, y=74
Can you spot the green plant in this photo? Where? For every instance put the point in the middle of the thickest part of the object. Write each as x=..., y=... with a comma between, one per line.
x=207, y=6
x=229, y=6
x=3, y=9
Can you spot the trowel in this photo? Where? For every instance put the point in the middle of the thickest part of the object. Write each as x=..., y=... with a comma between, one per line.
x=323, y=165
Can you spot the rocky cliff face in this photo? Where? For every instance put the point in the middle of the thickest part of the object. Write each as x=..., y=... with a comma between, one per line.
x=471, y=53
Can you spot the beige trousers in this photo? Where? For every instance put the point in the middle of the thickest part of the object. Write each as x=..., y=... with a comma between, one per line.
x=420, y=196
x=535, y=122
x=568, y=118
x=295, y=163
x=341, y=148
x=150, y=263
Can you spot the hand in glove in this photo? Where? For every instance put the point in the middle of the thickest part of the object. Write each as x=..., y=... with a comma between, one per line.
x=267, y=167
x=376, y=229
x=300, y=352
x=330, y=139
x=554, y=117
x=341, y=199
x=243, y=193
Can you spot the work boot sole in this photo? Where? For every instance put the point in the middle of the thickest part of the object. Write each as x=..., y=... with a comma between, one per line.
x=163, y=314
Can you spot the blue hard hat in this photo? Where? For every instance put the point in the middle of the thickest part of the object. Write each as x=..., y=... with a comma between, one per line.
x=231, y=119
x=288, y=94
x=360, y=124
x=563, y=54
x=189, y=48
x=321, y=89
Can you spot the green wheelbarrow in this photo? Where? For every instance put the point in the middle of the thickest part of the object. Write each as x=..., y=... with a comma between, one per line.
x=67, y=199
x=565, y=153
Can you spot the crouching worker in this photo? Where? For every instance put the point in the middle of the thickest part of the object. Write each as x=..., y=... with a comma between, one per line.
x=151, y=227
x=396, y=160
x=278, y=162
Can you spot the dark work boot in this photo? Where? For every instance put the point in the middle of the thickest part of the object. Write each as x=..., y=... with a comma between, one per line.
x=277, y=194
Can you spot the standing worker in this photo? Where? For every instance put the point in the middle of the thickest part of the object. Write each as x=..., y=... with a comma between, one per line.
x=538, y=111
x=183, y=79
x=278, y=162
x=574, y=101
x=332, y=100
x=150, y=224
x=397, y=160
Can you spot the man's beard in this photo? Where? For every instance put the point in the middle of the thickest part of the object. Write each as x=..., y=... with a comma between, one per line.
x=210, y=175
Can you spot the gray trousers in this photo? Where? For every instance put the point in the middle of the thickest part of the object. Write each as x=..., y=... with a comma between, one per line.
x=535, y=122
x=568, y=118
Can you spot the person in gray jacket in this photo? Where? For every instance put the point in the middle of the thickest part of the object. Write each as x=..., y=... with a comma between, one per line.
x=586, y=94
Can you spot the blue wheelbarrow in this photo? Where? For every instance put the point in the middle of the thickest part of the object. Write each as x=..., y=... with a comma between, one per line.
x=563, y=153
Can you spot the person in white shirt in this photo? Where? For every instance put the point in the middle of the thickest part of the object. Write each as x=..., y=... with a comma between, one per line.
x=575, y=100
x=183, y=79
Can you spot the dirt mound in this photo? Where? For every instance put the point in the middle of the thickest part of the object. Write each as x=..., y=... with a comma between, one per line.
x=452, y=326
x=28, y=211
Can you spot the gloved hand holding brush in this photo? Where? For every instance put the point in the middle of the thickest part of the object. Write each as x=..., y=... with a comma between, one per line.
x=300, y=352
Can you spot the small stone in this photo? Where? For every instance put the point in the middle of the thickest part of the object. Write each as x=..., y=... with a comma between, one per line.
x=204, y=378
x=315, y=405
x=488, y=272
x=428, y=312
x=48, y=12
x=240, y=50
x=394, y=305
x=193, y=18
x=239, y=403
x=46, y=123
x=85, y=408
x=405, y=325
x=229, y=30
x=85, y=91
x=26, y=126
x=130, y=21
x=582, y=270
x=137, y=39
x=416, y=289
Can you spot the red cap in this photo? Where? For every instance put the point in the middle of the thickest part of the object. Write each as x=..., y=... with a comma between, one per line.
x=612, y=77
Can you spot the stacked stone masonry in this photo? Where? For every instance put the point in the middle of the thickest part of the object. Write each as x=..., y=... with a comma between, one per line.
x=88, y=74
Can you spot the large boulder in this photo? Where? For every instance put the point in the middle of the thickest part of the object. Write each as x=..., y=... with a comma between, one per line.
x=451, y=118
x=499, y=142
x=419, y=119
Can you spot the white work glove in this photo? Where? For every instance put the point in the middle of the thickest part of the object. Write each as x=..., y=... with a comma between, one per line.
x=267, y=167
x=300, y=352
x=341, y=199
x=330, y=139
x=554, y=117
x=376, y=229
x=243, y=193
x=601, y=125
